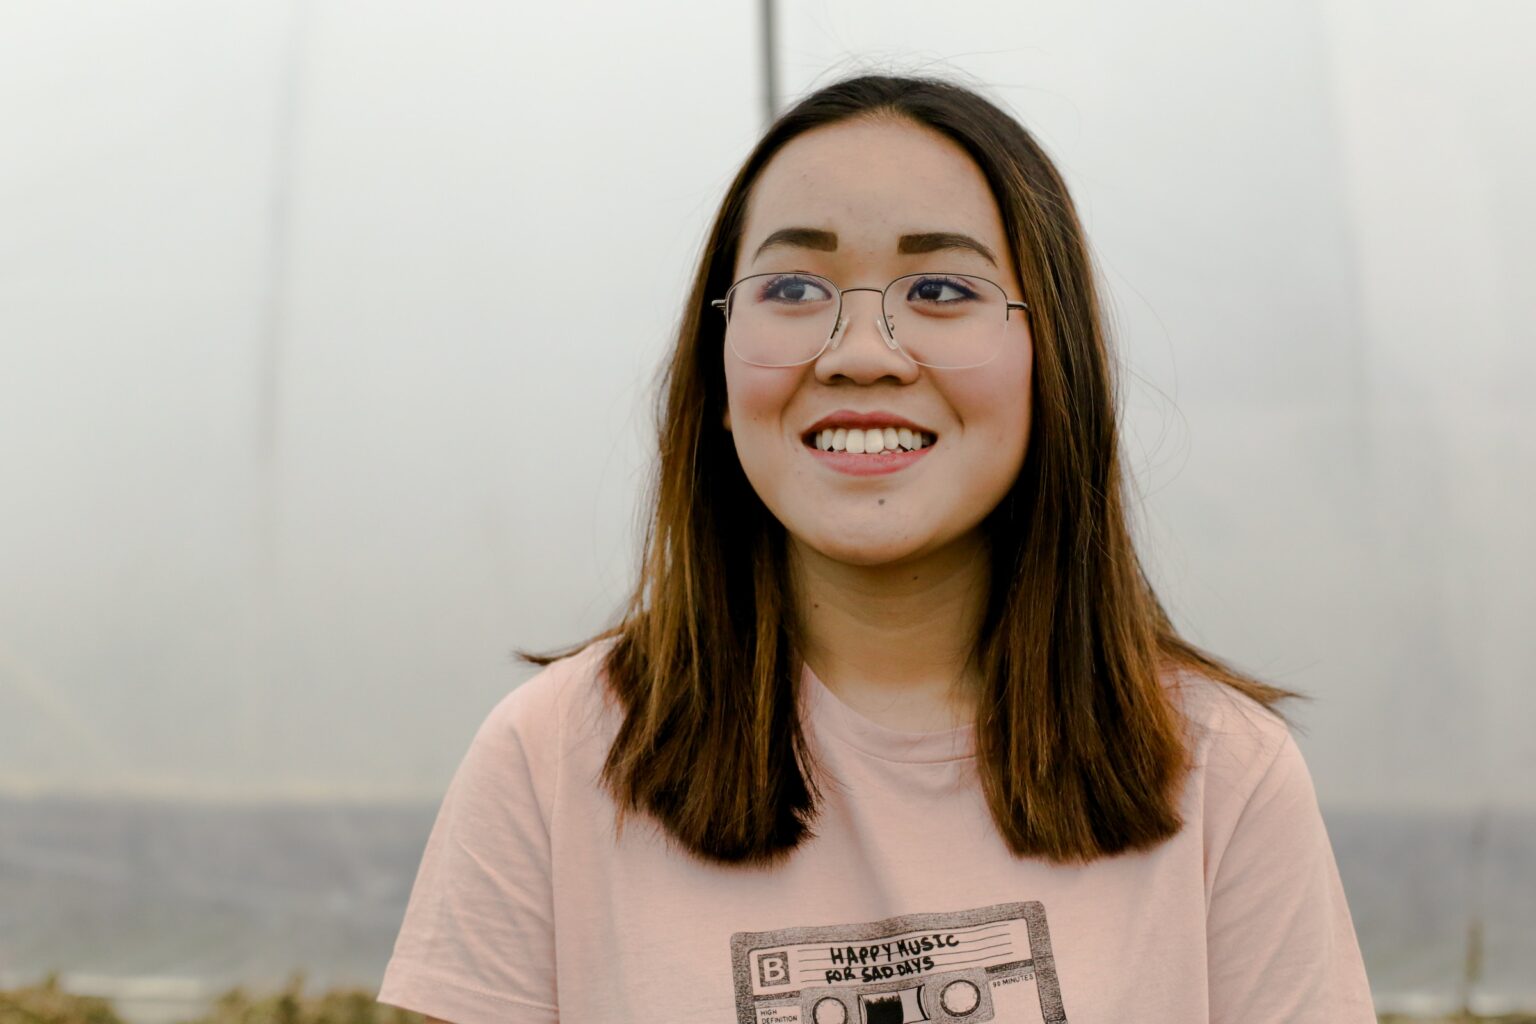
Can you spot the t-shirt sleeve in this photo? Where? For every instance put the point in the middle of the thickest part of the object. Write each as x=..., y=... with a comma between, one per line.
x=477, y=943
x=1280, y=941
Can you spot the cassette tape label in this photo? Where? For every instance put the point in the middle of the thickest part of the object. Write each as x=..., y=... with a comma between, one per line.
x=981, y=964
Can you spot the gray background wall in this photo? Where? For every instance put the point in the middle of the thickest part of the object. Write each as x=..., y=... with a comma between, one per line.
x=327, y=329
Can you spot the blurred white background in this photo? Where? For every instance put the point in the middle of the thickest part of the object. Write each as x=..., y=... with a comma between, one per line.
x=327, y=335
x=328, y=331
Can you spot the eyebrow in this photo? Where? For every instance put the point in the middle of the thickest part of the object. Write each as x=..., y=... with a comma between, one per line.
x=826, y=241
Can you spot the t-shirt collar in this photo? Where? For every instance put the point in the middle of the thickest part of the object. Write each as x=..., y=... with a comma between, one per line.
x=828, y=714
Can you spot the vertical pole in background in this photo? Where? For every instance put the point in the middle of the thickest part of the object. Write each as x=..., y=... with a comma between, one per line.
x=1472, y=966
x=770, y=63
x=279, y=215
x=272, y=325
x=254, y=706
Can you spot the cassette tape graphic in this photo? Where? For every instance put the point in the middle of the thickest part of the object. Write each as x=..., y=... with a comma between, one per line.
x=963, y=967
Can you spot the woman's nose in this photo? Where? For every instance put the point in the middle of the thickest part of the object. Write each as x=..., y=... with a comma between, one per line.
x=863, y=347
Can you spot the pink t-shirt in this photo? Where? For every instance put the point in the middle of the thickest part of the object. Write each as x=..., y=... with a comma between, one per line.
x=906, y=907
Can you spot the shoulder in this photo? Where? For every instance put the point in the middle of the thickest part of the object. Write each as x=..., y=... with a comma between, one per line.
x=1235, y=742
x=1223, y=724
x=525, y=744
x=1272, y=889
x=1249, y=776
x=561, y=702
x=572, y=684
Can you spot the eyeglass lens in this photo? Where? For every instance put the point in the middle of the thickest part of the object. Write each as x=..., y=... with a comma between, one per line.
x=939, y=320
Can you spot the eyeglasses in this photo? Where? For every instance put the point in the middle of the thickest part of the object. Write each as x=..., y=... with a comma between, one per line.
x=946, y=321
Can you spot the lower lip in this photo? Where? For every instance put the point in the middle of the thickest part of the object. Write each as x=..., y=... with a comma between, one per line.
x=868, y=465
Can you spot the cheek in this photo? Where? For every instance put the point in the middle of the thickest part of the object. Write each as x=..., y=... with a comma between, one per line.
x=995, y=407
x=757, y=397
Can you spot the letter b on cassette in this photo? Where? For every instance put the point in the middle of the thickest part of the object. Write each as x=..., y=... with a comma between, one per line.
x=773, y=969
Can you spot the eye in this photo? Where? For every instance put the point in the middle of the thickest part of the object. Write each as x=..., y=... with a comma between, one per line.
x=940, y=291
x=794, y=290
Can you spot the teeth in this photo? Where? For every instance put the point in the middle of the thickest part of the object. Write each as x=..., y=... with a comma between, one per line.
x=871, y=441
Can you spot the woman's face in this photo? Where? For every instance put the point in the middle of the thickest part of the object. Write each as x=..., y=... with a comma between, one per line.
x=870, y=184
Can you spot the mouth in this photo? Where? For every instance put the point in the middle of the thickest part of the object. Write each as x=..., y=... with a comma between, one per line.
x=870, y=440
x=867, y=433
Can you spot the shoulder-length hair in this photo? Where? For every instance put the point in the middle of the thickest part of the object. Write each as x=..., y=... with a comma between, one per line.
x=1079, y=744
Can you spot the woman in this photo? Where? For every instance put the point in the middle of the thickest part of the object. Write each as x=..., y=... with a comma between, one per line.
x=894, y=728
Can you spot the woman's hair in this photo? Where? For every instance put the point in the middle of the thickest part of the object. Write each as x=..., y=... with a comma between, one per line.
x=1079, y=746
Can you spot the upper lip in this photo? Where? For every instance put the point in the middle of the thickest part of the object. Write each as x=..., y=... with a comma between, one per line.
x=878, y=418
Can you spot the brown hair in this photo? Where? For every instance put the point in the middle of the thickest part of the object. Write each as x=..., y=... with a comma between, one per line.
x=1079, y=747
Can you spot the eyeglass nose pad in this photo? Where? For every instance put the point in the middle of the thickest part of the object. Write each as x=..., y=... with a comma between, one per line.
x=837, y=331
x=881, y=322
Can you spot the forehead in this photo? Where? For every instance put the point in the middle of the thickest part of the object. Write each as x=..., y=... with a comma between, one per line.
x=870, y=182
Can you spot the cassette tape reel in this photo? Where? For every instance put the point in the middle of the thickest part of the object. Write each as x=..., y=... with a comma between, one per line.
x=954, y=997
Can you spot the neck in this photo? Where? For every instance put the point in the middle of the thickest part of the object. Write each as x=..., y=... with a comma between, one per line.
x=893, y=641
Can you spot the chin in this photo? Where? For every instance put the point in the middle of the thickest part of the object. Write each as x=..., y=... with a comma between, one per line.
x=851, y=550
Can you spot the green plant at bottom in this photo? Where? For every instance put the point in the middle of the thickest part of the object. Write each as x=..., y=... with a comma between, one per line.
x=45, y=1003
x=291, y=1006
